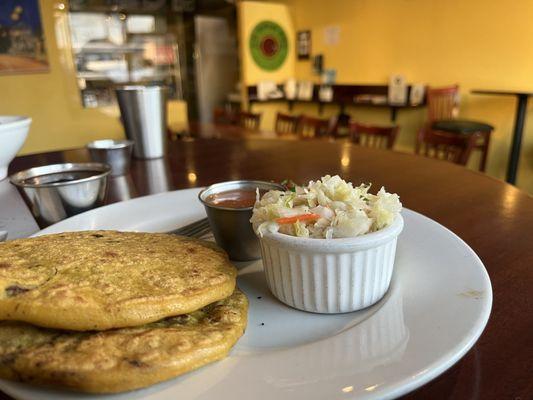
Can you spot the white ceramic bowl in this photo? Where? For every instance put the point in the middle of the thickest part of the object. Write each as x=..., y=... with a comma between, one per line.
x=330, y=275
x=13, y=133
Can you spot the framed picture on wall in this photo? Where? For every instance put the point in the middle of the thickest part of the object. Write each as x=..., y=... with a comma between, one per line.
x=22, y=46
x=303, y=45
x=269, y=45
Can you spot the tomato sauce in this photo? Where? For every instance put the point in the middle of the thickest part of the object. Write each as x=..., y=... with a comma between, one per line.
x=238, y=198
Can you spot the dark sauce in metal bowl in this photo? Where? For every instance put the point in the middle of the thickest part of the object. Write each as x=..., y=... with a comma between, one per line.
x=59, y=177
x=238, y=198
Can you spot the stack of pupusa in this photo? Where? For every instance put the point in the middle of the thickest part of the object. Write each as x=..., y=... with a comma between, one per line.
x=114, y=311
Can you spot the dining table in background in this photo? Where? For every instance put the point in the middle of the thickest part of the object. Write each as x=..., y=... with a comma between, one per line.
x=231, y=131
x=518, y=131
x=493, y=217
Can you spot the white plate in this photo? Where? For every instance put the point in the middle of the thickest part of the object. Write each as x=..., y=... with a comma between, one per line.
x=437, y=307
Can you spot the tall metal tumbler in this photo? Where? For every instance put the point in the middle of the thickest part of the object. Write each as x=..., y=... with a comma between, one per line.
x=143, y=111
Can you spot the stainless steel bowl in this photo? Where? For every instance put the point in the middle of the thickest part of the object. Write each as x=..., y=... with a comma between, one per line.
x=115, y=153
x=58, y=191
x=231, y=226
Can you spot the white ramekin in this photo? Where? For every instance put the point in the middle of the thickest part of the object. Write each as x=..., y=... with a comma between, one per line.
x=330, y=275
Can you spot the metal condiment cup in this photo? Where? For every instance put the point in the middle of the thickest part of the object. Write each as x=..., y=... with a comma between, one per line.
x=231, y=226
x=115, y=153
x=58, y=191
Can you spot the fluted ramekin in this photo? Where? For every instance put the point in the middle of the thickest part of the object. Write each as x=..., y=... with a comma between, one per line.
x=330, y=275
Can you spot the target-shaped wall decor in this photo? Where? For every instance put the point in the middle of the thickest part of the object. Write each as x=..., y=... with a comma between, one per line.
x=269, y=45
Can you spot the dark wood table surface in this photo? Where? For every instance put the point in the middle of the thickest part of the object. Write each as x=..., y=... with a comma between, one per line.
x=493, y=217
x=229, y=131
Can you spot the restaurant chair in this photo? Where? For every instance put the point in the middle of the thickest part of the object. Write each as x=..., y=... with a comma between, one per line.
x=373, y=136
x=249, y=120
x=446, y=146
x=223, y=116
x=442, y=116
x=339, y=126
x=311, y=127
x=286, y=124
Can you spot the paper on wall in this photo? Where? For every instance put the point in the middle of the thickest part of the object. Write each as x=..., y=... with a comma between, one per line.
x=332, y=35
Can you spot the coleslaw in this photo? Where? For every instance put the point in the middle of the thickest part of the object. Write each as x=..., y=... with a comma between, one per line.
x=327, y=208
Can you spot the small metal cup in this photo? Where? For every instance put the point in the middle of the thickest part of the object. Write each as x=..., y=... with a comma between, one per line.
x=58, y=191
x=115, y=153
x=231, y=226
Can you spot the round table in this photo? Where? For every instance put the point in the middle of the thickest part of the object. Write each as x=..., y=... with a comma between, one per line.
x=494, y=218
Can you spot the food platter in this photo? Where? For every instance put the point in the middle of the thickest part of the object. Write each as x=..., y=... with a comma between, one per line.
x=381, y=352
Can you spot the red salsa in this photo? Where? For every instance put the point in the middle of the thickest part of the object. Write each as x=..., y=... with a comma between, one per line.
x=238, y=198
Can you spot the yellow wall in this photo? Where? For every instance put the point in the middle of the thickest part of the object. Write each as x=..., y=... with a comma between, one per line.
x=475, y=43
x=250, y=14
x=52, y=99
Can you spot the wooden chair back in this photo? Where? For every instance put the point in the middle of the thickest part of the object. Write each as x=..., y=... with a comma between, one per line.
x=249, y=120
x=339, y=125
x=446, y=146
x=222, y=115
x=286, y=124
x=373, y=136
x=442, y=103
x=311, y=127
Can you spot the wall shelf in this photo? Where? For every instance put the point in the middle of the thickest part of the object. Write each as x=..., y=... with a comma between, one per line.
x=343, y=96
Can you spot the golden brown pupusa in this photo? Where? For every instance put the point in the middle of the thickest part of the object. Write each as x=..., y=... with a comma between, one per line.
x=97, y=280
x=121, y=359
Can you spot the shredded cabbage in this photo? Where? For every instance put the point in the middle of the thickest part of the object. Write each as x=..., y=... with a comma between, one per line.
x=335, y=209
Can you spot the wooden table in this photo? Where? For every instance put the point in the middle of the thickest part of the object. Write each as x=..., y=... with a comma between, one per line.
x=229, y=131
x=520, y=117
x=495, y=218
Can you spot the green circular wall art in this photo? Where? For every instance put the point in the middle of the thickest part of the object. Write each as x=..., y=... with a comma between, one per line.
x=268, y=45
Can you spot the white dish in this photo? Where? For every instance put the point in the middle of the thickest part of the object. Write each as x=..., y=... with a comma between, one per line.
x=330, y=276
x=13, y=133
x=438, y=304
